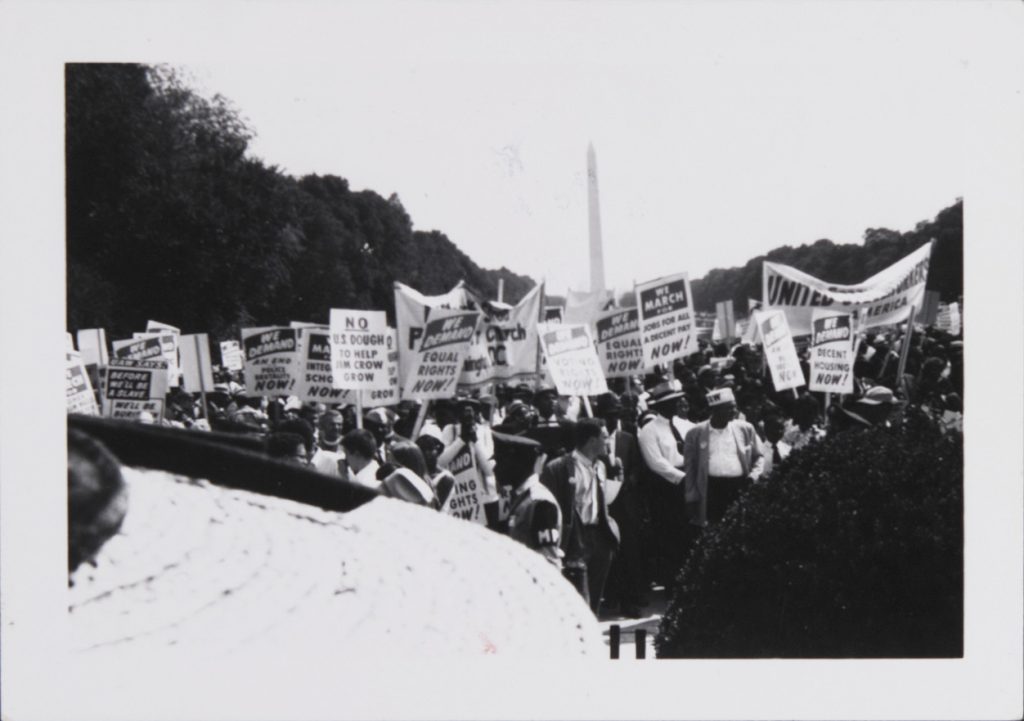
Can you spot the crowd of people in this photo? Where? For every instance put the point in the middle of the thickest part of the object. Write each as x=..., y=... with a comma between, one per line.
x=615, y=489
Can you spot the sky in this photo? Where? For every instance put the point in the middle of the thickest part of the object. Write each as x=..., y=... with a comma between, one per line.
x=721, y=131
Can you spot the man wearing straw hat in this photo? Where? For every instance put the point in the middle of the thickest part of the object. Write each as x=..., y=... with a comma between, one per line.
x=722, y=456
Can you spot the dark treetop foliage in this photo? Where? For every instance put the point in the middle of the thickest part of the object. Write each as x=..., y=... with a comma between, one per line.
x=852, y=548
x=167, y=218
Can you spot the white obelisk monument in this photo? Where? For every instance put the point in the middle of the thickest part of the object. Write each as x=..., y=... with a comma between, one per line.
x=596, y=251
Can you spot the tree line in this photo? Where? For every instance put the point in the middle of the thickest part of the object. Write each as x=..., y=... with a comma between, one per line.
x=168, y=218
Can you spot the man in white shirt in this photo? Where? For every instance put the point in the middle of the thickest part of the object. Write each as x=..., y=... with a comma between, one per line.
x=360, y=462
x=776, y=450
x=661, y=447
x=328, y=452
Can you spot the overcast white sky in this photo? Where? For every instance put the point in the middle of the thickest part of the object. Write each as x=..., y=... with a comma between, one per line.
x=721, y=131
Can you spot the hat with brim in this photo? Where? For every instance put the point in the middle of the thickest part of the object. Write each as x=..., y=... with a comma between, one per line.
x=720, y=397
x=877, y=395
x=663, y=393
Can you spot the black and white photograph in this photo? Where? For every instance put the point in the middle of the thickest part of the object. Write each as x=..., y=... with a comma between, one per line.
x=497, y=360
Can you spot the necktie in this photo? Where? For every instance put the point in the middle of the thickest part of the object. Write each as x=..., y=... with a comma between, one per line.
x=776, y=456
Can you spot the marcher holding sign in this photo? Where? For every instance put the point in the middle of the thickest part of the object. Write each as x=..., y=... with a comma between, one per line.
x=779, y=350
x=831, y=352
x=618, y=343
x=666, y=319
x=315, y=382
x=572, y=360
x=360, y=343
x=271, y=359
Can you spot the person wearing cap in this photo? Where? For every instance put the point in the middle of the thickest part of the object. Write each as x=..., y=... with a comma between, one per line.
x=590, y=536
x=544, y=400
x=723, y=455
x=328, y=451
x=535, y=519
x=440, y=479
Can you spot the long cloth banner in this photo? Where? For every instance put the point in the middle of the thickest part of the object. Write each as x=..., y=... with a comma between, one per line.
x=883, y=299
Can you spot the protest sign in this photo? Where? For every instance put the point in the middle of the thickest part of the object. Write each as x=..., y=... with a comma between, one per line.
x=134, y=386
x=432, y=366
x=360, y=343
x=315, y=382
x=78, y=388
x=883, y=299
x=948, y=318
x=138, y=349
x=468, y=495
x=231, y=355
x=831, y=352
x=779, y=350
x=725, y=321
x=155, y=326
x=92, y=344
x=196, y=367
x=504, y=345
x=168, y=349
x=618, y=343
x=271, y=360
x=572, y=359
x=385, y=396
x=553, y=314
x=666, y=320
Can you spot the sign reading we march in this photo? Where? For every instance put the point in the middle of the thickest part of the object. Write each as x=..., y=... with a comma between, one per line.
x=666, y=319
x=360, y=343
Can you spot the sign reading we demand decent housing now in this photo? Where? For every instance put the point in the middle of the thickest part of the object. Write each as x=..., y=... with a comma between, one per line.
x=666, y=319
x=831, y=352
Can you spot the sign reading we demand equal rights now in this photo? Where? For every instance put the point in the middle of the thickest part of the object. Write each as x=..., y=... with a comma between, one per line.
x=665, y=316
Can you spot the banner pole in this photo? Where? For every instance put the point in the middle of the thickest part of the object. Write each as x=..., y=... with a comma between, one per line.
x=202, y=383
x=421, y=416
x=586, y=405
x=905, y=350
x=359, y=409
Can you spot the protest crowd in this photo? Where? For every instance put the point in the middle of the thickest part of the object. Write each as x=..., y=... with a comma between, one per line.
x=612, y=471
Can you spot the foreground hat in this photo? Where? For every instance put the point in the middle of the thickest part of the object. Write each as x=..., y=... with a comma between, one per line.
x=720, y=396
x=877, y=395
x=664, y=392
x=509, y=447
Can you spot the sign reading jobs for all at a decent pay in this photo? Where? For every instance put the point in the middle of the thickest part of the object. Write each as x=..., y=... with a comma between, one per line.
x=572, y=360
x=831, y=352
x=360, y=344
x=779, y=350
x=666, y=319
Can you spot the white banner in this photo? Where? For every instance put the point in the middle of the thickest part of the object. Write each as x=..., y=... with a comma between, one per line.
x=883, y=299
x=360, y=343
x=271, y=360
x=779, y=349
x=666, y=319
x=505, y=343
x=618, y=343
x=572, y=359
x=831, y=351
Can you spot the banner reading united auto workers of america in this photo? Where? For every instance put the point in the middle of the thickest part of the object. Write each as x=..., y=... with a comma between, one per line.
x=883, y=299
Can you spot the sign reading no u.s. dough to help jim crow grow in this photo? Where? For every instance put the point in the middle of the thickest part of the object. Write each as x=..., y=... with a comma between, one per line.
x=360, y=343
x=665, y=318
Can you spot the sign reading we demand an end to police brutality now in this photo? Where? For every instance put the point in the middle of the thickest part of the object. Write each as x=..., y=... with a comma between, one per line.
x=572, y=360
x=271, y=358
x=665, y=317
x=831, y=352
x=360, y=344
x=883, y=299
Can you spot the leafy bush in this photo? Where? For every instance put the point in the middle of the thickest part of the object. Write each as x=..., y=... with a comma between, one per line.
x=852, y=549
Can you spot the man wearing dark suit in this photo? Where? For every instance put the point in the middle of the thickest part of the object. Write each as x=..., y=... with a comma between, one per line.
x=628, y=508
x=590, y=536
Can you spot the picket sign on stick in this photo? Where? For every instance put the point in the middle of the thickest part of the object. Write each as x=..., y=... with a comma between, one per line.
x=586, y=404
x=905, y=350
x=196, y=367
x=359, y=410
x=421, y=416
